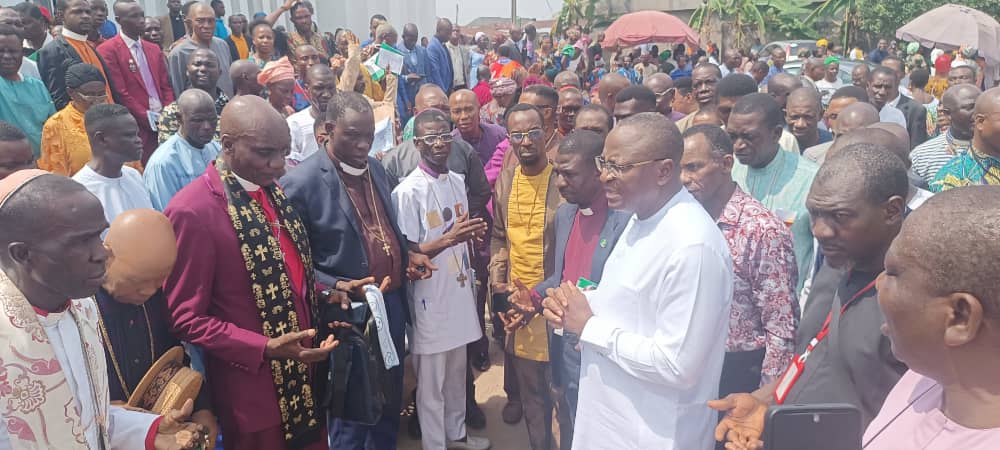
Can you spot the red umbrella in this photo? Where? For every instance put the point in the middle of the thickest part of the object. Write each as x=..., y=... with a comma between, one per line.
x=646, y=27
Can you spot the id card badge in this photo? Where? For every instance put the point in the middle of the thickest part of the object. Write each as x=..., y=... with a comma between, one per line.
x=154, y=119
x=788, y=380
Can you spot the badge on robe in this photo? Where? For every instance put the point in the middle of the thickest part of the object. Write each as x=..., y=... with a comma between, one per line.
x=434, y=219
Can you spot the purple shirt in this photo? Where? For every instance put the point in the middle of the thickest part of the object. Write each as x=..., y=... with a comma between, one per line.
x=490, y=136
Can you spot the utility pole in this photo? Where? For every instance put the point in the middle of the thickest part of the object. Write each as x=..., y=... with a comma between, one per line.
x=456, y=14
x=513, y=12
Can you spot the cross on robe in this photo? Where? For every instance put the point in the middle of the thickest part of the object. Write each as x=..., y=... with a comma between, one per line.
x=461, y=278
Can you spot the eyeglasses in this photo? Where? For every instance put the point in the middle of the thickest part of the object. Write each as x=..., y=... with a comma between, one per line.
x=435, y=139
x=534, y=135
x=660, y=95
x=568, y=109
x=93, y=98
x=618, y=169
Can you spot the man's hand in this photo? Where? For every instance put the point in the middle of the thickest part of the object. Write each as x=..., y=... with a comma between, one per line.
x=355, y=287
x=175, y=433
x=287, y=6
x=499, y=288
x=464, y=229
x=575, y=309
x=288, y=346
x=351, y=38
x=206, y=419
x=520, y=299
x=420, y=266
x=743, y=423
x=514, y=319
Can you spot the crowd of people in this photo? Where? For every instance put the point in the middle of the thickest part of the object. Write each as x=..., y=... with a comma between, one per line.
x=664, y=246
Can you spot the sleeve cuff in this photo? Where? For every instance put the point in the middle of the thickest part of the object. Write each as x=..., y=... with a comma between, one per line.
x=154, y=429
x=536, y=299
x=598, y=333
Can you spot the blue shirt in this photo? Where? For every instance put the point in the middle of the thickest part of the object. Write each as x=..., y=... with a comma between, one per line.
x=439, y=69
x=26, y=104
x=220, y=29
x=771, y=72
x=174, y=165
x=108, y=30
x=414, y=61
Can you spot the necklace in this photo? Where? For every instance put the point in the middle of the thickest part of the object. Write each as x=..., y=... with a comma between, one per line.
x=774, y=178
x=111, y=349
x=534, y=202
x=462, y=277
x=380, y=236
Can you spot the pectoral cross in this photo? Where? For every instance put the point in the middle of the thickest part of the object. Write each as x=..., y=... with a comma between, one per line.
x=461, y=278
x=386, y=248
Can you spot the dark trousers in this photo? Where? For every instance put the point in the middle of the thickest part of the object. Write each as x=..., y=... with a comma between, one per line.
x=740, y=373
x=535, y=381
x=346, y=435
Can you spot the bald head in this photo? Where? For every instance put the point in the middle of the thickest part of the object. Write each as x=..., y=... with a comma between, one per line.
x=319, y=71
x=883, y=139
x=430, y=96
x=782, y=84
x=566, y=78
x=900, y=143
x=194, y=99
x=247, y=114
x=956, y=255
x=806, y=97
x=609, y=87
x=463, y=96
x=988, y=102
x=143, y=251
x=655, y=136
x=854, y=116
x=244, y=74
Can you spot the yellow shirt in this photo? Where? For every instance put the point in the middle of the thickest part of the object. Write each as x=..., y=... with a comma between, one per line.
x=65, y=146
x=525, y=229
x=241, y=46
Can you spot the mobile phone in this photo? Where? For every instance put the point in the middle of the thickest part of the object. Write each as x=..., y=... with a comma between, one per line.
x=828, y=426
x=500, y=303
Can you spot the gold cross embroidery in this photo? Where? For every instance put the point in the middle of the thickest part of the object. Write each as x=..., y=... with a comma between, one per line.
x=246, y=213
x=282, y=326
x=272, y=290
x=261, y=253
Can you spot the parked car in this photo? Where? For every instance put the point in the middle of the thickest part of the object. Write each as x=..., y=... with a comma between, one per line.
x=846, y=67
x=792, y=49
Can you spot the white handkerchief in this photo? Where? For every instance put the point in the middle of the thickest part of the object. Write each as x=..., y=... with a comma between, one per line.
x=377, y=305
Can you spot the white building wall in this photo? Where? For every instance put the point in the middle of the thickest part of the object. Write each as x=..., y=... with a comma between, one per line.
x=333, y=14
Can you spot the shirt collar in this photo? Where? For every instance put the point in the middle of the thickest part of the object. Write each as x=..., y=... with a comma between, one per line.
x=895, y=101
x=129, y=42
x=734, y=208
x=598, y=205
x=246, y=184
x=71, y=35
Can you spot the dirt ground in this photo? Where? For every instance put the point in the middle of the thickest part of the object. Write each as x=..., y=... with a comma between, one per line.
x=491, y=398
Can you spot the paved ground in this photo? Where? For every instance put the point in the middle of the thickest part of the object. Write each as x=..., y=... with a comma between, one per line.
x=490, y=395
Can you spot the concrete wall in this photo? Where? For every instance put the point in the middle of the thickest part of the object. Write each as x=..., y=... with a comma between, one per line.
x=333, y=14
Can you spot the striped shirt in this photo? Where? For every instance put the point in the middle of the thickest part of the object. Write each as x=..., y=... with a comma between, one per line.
x=928, y=158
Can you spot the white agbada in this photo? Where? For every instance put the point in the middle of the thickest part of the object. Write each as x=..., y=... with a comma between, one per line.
x=443, y=306
x=117, y=195
x=652, y=353
x=127, y=430
x=303, y=137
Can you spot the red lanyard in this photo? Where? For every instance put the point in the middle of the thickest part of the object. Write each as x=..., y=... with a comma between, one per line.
x=797, y=365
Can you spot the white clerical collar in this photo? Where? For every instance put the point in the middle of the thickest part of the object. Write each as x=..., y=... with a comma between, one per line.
x=353, y=171
x=587, y=211
x=247, y=185
x=69, y=34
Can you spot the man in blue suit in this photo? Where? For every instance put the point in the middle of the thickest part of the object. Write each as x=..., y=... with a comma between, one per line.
x=439, y=69
x=586, y=231
x=343, y=198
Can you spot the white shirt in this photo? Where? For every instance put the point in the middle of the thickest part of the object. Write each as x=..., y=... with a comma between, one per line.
x=652, y=353
x=303, y=137
x=29, y=69
x=134, y=49
x=117, y=195
x=827, y=88
x=126, y=429
x=443, y=306
x=891, y=114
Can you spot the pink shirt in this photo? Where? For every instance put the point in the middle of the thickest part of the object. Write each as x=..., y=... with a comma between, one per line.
x=921, y=425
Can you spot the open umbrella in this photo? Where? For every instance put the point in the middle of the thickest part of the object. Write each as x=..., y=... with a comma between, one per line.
x=951, y=26
x=644, y=27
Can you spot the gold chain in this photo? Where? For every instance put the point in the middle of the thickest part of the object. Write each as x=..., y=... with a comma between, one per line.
x=111, y=348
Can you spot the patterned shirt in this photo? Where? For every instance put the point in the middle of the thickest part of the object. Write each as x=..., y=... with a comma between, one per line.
x=170, y=119
x=928, y=158
x=765, y=309
x=968, y=169
x=295, y=40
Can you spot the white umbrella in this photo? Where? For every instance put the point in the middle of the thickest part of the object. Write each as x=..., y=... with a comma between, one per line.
x=951, y=26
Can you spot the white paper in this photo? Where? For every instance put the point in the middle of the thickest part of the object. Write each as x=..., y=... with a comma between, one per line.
x=385, y=136
x=388, y=59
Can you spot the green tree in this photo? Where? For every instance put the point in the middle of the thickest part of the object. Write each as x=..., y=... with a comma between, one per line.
x=583, y=13
x=846, y=12
x=881, y=19
x=752, y=18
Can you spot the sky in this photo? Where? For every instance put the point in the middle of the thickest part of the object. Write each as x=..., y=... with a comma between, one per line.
x=468, y=10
